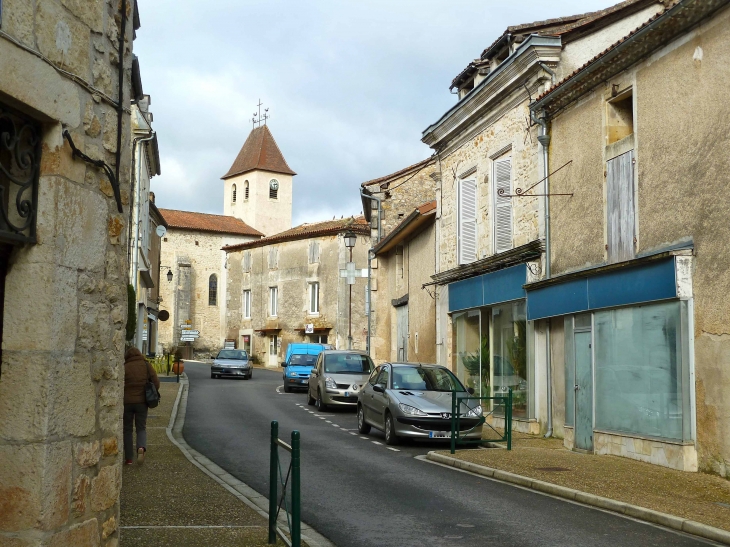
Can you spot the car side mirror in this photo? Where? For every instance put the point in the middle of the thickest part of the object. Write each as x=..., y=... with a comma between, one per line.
x=470, y=390
x=378, y=388
x=283, y=364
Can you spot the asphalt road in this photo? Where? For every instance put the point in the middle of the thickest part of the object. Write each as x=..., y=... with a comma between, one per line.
x=358, y=492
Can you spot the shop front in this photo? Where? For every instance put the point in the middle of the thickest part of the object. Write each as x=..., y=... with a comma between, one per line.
x=628, y=359
x=492, y=340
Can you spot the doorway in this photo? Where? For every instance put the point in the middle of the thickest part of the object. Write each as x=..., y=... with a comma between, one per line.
x=583, y=347
x=401, y=316
x=274, y=350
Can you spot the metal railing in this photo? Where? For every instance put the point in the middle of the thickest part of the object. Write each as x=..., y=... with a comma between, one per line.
x=495, y=402
x=277, y=478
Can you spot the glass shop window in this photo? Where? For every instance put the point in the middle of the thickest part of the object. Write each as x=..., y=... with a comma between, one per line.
x=511, y=350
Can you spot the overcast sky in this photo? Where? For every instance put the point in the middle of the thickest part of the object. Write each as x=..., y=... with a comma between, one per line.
x=350, y=85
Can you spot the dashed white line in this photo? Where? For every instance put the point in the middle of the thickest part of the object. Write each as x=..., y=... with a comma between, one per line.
x=351, y=433
x=375, y=442
x=321, y=417
x=393, y=449
x=334, y=425
x=328, y=421
x=365, y=438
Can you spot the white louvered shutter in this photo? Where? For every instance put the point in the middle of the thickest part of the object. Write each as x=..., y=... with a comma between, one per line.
x=502, y=205
x=467, y=233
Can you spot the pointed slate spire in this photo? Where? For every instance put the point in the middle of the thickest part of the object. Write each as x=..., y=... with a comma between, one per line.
x=261, y=153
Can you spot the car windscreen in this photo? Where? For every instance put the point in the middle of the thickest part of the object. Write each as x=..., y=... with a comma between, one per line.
x=303, y=360
x=348, y=363
x=232, y=354
x=425, y=379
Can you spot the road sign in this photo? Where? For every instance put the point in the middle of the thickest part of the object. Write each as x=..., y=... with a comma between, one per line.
x=309, y=328
x=187, y=339
x=190, y=332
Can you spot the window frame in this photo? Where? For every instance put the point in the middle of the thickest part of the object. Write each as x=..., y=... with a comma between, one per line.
x=246, y=304
x=273, y=301
x=213, y=290
x=233, y=193
x=313, y=293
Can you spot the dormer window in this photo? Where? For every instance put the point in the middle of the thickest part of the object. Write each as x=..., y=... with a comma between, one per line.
x=466, y=88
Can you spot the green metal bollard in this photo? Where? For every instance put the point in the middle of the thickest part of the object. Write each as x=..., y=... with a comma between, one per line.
x=273, y=484
x=508, y=425
x=453, y=422
x=296, y=525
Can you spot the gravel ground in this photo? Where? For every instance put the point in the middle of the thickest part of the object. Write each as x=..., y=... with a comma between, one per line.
x=176, y=502
x=696, y=496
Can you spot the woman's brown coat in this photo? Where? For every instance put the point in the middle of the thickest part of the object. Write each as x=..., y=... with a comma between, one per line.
x=137, y=372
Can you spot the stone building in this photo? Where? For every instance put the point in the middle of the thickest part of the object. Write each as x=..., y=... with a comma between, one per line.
x=288, y=287
x=406, y=259
x=639, y=298
x=191, y=250
x=65, y=97
x=150, y=329
x=387, y=201
x=490, y=218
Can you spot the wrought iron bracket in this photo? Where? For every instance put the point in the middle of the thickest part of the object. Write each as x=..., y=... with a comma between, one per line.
x=99, y=164
x=520, y=193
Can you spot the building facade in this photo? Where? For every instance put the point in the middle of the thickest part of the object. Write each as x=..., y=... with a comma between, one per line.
x=63, y=267
x=195, y=298
x=638, y=298
x=491, y=205
x=288, y=287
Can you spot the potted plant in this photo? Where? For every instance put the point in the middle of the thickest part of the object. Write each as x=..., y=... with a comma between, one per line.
x=178, y=367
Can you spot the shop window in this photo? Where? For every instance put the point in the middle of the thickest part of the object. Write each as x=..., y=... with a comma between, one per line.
x=642, y=372
x=510, y=360
x=471, y=349
x=213, y=290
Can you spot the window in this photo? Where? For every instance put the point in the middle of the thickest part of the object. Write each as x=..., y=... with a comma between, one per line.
x=641, y=372
x=273, y=189
x=314, y=298
x=347, y=363
x=273, y=301
x=313, y=252
x=502, y=205
x=247, y=261
x=399, y=261
x=510, y=356
x=213, y=290
x=467, y=222
x=383, y=377
x=246, y=304
x=273, y=258
x=317, y=338
x=245, y=190
x=373, y=376
x=620, y=212
x=233, y=194
x=620, y=117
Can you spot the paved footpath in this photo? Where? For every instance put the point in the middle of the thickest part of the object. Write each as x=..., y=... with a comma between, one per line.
x=169, y=501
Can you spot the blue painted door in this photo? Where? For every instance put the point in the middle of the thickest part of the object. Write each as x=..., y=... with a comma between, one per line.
x=583, y=391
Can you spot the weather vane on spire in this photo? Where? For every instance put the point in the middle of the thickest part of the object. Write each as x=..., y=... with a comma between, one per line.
x=258, y=118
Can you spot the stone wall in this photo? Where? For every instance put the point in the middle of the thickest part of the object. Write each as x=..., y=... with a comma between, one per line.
x=681, y=167
x=65, y=296
x=193, y=257
x=292, y=275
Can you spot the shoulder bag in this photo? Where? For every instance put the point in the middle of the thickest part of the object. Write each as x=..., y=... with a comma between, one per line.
x=151, y=395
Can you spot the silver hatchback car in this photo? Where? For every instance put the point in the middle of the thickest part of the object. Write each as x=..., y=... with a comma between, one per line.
x=338, y=377
x=414, y=400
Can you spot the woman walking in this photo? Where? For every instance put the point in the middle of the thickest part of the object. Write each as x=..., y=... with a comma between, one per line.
x=137, y=372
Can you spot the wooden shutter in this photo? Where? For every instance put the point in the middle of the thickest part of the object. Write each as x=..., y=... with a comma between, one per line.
x=467, y=219
x=313, y=252
x=502, y=205
x=620, y=213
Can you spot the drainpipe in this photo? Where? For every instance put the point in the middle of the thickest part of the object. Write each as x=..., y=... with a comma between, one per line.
x=136, y=214
x=544, y=140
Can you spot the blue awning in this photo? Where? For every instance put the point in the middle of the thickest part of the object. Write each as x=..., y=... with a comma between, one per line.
x=632, y=285
x=488, y=289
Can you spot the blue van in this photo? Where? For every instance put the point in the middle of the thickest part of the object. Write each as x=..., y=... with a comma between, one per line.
x=300, y=358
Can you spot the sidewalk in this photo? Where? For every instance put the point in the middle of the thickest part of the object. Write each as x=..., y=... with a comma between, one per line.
x=696, y=503
x=170, y=501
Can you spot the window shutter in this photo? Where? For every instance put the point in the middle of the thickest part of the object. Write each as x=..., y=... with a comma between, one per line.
x=316, y=251
x=620, y=214
x=313, y=252
x=467, y=218
x=502, y=205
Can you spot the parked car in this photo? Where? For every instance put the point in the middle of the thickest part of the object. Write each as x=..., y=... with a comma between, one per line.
x=414, y=400
x=233, y=363
x=338, y=377
x=300, y=358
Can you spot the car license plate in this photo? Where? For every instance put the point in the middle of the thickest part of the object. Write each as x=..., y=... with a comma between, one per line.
x=439, y=434
x=347, y=393
x=302, y=381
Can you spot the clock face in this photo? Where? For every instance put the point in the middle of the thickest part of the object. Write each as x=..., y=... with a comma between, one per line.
x=274, y=184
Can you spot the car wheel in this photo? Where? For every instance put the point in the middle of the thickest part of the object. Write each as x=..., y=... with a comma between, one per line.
x=310, y=399
x=212, y=375
x=287, y=389
x=362, y=426
x=390, y=437
x=320, y=405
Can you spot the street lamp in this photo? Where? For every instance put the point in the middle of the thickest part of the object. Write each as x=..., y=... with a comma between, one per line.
x=169, y=276
x=350, y=240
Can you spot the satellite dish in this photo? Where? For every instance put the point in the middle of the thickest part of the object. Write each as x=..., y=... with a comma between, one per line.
x=161, y=230
x=164, y=315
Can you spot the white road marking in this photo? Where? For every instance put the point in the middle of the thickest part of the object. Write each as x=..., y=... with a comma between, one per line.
x=365, y=438
x=350, y=429
x=328, y=421
x=321, y=417
x=375, y=442
x=278, y=388
x=393, y=449
x=351, y=433
x=334, y=425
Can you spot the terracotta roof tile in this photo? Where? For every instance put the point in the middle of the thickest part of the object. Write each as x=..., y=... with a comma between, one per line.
x=400, y=173
x=259, y=152
x=427, y=207
x=309, y=229
x=204, y=222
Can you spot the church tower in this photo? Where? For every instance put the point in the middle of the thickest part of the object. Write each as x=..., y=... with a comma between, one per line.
x=258, y=186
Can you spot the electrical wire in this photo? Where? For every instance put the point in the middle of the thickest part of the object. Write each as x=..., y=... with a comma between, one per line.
x=409, y=178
